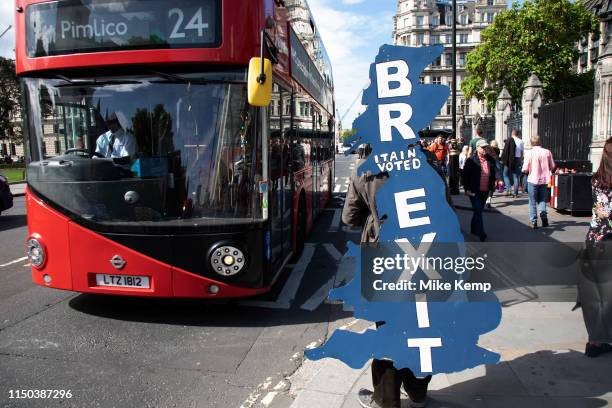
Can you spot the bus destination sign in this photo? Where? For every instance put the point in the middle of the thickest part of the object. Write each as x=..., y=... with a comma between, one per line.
x=72, y=26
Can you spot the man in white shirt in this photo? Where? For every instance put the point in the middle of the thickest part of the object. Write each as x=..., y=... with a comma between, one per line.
x=116, y=142
x=520, y=145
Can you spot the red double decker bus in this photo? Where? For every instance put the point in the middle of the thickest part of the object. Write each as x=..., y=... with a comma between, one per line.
x=149, y=172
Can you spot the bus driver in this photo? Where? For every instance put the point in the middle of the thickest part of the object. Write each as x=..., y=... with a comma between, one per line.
x=116, y=142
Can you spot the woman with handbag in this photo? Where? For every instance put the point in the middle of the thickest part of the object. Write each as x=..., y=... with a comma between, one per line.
x=595, y=280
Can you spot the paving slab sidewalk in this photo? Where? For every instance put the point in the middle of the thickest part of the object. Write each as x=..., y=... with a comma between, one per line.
x=18, y=189
x=541, y=343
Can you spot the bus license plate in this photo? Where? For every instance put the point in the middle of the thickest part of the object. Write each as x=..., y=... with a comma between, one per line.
x=123, y=281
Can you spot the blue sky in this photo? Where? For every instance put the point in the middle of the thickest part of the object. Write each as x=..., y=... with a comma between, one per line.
x=352, y=31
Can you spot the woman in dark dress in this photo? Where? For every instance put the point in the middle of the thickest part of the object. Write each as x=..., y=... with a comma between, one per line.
x=595, y=281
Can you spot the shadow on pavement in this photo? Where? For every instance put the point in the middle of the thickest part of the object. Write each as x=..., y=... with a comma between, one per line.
x=560, y=379
x=8, y=222
x=188, y=312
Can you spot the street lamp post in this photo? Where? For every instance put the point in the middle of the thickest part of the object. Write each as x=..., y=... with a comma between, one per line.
x=453, y=159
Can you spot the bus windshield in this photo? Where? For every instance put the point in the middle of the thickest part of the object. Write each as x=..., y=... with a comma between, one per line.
x=166, y=149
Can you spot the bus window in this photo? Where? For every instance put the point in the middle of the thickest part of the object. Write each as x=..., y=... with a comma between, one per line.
x=191, y=150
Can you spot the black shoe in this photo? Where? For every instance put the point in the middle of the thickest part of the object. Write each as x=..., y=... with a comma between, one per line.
x=366, y=399
x=483, y=237
x=544, y=222
x=534, y=225
x=593, y=351
x=417, y=391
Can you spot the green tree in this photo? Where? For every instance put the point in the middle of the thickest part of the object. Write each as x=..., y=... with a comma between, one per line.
x=347, y=133
x=538, y=36
x=10, y=97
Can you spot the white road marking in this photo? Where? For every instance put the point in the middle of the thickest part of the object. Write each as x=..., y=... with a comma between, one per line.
x=267, y=400
x=14, y=262
x=349, y=324
x=335, y=224
x=332, y=251
x=319, y=297
x=280, y=386
x=254, y=396
x=291, y=286
x=323, y=292
x=342, y=187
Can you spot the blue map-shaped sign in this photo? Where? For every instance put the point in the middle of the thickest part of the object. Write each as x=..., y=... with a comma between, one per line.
x=428, y=333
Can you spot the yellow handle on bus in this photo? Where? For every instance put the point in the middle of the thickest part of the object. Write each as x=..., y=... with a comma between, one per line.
x=260, y=86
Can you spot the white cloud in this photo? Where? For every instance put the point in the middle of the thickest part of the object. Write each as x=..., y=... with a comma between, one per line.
x=352, y=41
x=350, y=2
x=7, y=42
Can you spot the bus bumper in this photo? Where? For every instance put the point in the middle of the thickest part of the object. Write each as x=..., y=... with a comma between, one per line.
x=74, y=256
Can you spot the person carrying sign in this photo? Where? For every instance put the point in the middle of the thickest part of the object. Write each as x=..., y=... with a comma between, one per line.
x=360, y=211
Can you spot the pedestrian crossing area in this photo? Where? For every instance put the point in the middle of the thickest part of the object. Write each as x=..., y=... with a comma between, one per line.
x=341, y=184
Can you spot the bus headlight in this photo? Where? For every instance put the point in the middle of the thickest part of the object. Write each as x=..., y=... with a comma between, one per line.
x=227, y=260
x=36, y=252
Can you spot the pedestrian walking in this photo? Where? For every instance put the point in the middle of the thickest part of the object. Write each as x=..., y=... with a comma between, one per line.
x=478, y=179
x=360, y=211
x=460, y=143
x=463, y=157
x=595, y=280
x=474, y=141
x=512, y=160
x=440, y=149
x=539, y=166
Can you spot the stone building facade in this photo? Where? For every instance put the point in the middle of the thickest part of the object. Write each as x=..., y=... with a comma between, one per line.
x=427, y=22
x=592, y=46
x=596, y=54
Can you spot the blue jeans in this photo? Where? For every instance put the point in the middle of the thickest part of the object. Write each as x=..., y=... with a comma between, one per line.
x=506, y=174
x=537, y=202
x=516, y=175
x=478, y=203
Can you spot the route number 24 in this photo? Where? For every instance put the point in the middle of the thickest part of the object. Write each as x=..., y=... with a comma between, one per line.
x=195, y=23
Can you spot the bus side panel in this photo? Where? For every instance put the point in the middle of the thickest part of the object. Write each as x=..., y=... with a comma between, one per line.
x=303, y=186
x=91, y=254
x=310, y=197
x=51, y=228
x=325, y=185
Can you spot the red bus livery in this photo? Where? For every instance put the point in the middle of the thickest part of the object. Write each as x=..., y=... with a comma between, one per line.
x=149, y=172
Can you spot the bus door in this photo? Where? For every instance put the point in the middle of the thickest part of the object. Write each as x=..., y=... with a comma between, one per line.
x=316, y=164
x=281, y=194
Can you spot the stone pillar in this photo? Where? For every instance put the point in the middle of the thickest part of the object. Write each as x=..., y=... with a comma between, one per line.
x=476, y=123
x=533, y=95
x=602, y=104
x=503, y=108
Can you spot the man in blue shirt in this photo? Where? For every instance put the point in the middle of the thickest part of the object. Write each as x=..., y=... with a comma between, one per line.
x=116, y=142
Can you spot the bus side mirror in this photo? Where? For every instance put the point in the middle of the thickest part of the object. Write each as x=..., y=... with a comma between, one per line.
x=260, y=82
